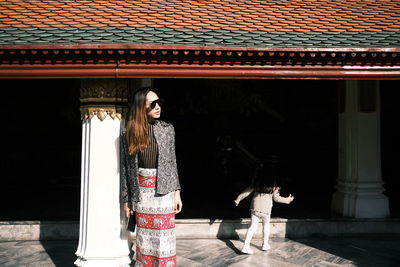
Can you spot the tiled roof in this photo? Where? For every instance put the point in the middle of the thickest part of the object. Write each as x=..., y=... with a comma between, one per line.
x=255, y=23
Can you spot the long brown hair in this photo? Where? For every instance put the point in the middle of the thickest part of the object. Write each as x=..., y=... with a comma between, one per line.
x=137, y=129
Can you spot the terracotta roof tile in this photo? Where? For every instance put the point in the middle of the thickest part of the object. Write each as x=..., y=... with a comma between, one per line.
x=246, y=11
x=210, y=21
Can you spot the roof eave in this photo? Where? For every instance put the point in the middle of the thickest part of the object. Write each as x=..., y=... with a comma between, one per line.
x=177, y=61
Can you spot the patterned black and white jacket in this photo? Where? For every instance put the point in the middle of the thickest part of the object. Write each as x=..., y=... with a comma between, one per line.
x=167, y=172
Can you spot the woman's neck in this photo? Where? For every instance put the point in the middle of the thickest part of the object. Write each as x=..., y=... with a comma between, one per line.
x=151, y=120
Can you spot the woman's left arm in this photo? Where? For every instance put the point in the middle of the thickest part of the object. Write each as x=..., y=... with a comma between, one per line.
x=173, y=159
x=178, y=201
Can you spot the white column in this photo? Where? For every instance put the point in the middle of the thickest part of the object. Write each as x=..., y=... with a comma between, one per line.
x=102, y=238
x=359, y=186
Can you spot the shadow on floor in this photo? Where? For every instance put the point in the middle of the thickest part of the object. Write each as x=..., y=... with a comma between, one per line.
x=62, y=254
x=225, y=229
x=361, y=251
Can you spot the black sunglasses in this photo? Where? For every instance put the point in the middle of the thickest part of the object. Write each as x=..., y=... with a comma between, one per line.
x=159, y=101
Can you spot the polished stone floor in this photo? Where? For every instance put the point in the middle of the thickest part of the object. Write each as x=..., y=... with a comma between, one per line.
x=318, y=252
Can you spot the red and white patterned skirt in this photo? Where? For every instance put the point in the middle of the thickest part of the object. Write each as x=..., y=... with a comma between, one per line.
x=155, y=224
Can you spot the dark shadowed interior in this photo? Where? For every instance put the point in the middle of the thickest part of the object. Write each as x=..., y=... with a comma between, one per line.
x=224, y=130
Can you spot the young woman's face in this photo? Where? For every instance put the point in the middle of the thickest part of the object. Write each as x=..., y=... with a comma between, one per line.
x=152, y=107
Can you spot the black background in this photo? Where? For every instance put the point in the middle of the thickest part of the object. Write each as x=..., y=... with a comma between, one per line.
x=294, y=121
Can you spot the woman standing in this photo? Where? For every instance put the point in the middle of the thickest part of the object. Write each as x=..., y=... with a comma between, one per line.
x=149, y=180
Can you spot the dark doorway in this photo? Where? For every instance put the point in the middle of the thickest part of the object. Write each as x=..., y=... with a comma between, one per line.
x=289, y=125
x=390, y=143
x=41, y=150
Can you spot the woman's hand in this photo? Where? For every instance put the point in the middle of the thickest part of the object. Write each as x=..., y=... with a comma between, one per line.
x=236, y=202
x=178, y=202
x=291, y=198
x=128, y=209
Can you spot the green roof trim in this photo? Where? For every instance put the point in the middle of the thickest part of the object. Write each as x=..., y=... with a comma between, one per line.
x=160, y=36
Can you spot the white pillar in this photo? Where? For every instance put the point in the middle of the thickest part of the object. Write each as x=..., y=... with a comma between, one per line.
x=102, y=238
x=359, y=186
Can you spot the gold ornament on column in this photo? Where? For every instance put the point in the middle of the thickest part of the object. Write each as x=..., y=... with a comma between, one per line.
x=101, y=113
x=103, y=97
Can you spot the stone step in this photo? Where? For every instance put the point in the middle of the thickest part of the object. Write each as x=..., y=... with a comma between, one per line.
x=206, y=228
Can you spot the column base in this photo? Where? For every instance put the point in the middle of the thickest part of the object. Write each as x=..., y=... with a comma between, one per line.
x=103, y=262
x=360, y=206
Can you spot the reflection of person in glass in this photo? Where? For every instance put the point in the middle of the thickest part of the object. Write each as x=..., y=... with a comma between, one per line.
x=149, y=180
x=265, y=192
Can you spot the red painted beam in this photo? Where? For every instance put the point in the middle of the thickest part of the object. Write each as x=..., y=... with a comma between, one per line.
x=197, y=71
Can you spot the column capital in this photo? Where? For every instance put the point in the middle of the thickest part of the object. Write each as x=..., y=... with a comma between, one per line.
x=101, y=112
x=103, y=97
